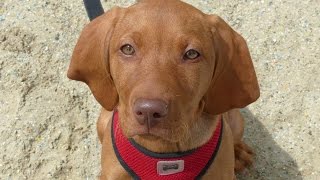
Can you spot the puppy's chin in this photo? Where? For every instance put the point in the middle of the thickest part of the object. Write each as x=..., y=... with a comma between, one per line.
x=172, y=135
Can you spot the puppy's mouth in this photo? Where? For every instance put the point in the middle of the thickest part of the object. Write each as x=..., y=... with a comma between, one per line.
x=171, y=133
x=144, y=131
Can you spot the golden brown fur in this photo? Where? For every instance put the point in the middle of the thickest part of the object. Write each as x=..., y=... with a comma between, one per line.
x=196, y=91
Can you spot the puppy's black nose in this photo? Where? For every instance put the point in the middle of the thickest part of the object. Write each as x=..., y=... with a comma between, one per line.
x=150, y=111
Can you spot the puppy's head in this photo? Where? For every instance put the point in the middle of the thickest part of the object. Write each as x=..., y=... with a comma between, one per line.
x=163, y=64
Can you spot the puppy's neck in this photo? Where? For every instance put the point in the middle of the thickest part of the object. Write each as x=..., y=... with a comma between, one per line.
x=199, y=134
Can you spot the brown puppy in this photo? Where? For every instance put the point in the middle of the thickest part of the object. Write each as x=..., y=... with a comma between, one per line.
x=170, y=71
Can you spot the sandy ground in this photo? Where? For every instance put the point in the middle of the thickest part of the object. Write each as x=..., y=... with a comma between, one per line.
x=47, y=122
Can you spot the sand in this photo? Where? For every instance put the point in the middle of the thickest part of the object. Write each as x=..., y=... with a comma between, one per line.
x=47, y=122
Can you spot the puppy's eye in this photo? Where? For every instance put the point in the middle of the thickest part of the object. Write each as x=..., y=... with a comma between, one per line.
x=191, y=54
x=127, y=49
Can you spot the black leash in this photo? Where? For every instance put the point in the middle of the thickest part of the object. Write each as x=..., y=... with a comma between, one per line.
x=94, y=8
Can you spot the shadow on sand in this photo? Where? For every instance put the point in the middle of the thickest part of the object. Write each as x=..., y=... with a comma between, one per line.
x=271, y=162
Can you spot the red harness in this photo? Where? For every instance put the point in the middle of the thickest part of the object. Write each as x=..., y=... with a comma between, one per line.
x=143, y=164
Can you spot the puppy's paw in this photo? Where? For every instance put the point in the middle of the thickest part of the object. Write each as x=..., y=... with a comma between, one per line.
x=244, y=156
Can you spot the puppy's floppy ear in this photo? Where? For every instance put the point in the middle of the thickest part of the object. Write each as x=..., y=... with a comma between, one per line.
x=90, y=59
x=234, y=83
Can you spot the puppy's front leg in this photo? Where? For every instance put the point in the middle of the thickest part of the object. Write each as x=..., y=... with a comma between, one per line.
x=243, y=153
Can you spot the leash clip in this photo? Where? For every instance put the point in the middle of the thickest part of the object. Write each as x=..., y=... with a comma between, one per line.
x=94, y=8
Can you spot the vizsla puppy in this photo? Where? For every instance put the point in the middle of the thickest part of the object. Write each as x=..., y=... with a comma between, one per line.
x=169, y=79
